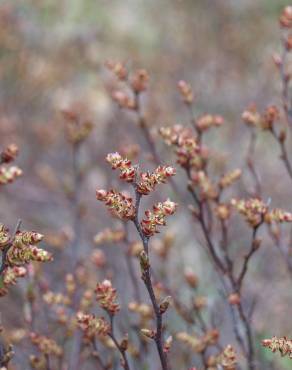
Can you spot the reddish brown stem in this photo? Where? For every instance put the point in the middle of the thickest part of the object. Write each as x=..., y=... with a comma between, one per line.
x=146, y=277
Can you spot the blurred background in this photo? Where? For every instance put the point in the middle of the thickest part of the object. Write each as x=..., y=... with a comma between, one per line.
x=52, y=56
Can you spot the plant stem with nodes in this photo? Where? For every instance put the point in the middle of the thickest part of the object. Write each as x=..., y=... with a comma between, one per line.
x=118, y=346
x=146, y=277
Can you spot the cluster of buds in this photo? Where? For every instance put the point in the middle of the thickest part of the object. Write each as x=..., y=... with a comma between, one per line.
x=251, y=116
x=208, y=190
x=128, y=172
x=11, y=274
x=282, y=345
x=9, y=154
x=38, y=363
x=9, y=174
x=265, y=121
x=191, y=278
x=52, y=298
x=228, y=359
x=147, y=181
x=142, y=309
x=86, y=300
x=186, y=91
x=156, y=217
x=148, y=333
x=222, y=211
x=206, y=121
x=23, y=249
x=70, y=284
x=253, y=210
x=6, y=356
x=139, y=81
x=109, y=236
x=196, y=343
x=163, y=246
x=46, y=345
x=120, y=205
x=286, y=17
x=229, y=178
x=118, y=68
x=189, y=153
x=256, y=211
x=77, y=130
x=278, y=215
x=91, y=326
x=123, y=100
x=106, y=296
x=98, y=258
x=4, y=236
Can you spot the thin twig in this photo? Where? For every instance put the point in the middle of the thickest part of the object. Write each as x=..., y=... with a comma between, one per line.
x=146, y=277
x=118, y=346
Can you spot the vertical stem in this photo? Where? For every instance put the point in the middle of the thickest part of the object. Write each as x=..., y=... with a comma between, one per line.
x=120, y=349
x=146, y=277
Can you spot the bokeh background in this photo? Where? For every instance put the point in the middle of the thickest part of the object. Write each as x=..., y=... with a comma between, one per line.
x=52, y=56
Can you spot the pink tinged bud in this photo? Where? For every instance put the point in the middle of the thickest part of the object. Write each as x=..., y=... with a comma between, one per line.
x=101, y=194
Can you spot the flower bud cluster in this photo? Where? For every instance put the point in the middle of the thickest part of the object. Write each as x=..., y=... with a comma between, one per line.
x=208, y=190
x=162, y=246
x=228, y=359
x=52, y=298
x=9, y=153
x=196, y=343
x=123, y=100
x=120, y=205
x=223, y=211
x=256, y=211
x=46, y=345
x=144, y=310
x=11, y=274
x=252, y=209
x=206, y=121
x=282, y=345
x=265, y=121
x=91, y=325
x=156, y=217
x=4, y=236
x=7, y=354
x=106, y=296
x=23, y=249
x=128, y=171
x=139, y=81
x=286, y=17
x=229, y=178
x=118, y=68
x=186, y=91
x=77, y=130
x=86, y=300
x=147, y=181
x=191, y=278
x=109, y=236
x=9, y=174
x=98, y=258
x=189, y=153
